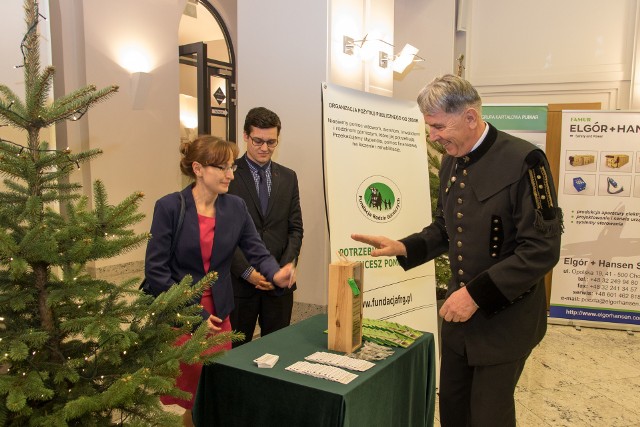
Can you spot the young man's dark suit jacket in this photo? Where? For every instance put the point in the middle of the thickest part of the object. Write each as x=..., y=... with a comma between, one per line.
x=233, y=229
x=281, y=228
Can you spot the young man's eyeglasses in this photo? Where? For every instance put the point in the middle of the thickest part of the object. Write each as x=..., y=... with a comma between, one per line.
x=225, y=168
x=260, y=142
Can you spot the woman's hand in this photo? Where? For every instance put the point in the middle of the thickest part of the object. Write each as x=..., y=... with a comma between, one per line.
x=285, y=277
x=212, y=324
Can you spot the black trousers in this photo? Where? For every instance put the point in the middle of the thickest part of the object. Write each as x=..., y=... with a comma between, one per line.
x=477, y=396
x=271, y=313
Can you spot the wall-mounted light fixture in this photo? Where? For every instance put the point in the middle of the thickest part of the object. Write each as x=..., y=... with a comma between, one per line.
x=140, y=85
x=137, y=61
x=401, y=61
x=349, y=44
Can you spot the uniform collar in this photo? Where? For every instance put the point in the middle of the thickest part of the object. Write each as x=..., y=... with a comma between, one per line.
x=486, y=141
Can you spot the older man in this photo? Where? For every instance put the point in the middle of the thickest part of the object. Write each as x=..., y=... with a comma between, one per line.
x=498, y=218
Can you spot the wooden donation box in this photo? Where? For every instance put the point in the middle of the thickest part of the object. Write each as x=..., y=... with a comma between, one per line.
x=345, y=306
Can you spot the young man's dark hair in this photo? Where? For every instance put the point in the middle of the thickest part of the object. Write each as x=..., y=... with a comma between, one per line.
x=262, y=118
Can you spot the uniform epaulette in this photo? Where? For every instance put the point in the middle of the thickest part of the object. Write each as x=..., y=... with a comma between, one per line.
x=549, y=218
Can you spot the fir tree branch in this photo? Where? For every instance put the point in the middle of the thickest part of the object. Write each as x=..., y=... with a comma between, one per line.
x=57, y=112
x=10, y=101
x=12, y=111
x=30, y=46
x=37, y=96
x=18, y=190
x=79, y=94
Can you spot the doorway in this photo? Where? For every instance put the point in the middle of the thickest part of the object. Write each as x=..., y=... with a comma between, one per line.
x=207, y=74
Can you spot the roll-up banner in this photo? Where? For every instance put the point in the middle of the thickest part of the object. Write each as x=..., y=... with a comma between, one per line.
x=597, y=281
x=377, y=182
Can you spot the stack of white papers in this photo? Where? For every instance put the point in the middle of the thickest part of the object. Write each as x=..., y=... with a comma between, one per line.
x=322, y=371
x=266, y=360
x=340, y=361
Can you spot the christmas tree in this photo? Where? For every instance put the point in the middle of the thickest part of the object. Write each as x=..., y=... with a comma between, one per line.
x=76, y=350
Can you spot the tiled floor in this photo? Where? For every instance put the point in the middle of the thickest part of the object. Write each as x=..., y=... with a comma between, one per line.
x=588, y=377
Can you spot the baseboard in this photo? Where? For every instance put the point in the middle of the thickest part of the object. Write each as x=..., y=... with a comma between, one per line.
x=121, y=271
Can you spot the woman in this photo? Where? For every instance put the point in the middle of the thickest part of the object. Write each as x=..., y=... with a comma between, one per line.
x=214, y=224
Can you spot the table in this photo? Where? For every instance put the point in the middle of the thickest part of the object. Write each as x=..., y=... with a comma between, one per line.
x=234, y=392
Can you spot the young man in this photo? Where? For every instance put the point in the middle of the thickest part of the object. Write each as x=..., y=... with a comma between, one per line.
x=499, y=220
x=270, y=191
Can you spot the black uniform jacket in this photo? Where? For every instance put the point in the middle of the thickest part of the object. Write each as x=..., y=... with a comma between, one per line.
x=280, y=229
x=498, y=218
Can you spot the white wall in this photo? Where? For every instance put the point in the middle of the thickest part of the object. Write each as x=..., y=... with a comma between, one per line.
x=552, y=51
x=140, y=146
x=282, y=61
x=12, y=31
x=428, y=25
x=634, y=103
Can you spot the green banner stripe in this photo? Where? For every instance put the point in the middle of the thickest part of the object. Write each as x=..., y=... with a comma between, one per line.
x=516, y=117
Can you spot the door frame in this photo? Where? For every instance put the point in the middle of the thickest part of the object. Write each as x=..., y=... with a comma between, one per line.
x=192, y=54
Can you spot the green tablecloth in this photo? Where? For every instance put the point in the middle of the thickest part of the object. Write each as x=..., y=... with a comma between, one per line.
x=234, y=392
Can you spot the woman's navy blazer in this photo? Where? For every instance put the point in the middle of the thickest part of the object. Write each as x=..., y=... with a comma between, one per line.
x=234, y=228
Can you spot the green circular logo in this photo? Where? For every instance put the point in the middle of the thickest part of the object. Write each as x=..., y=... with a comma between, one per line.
x=378, y=199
